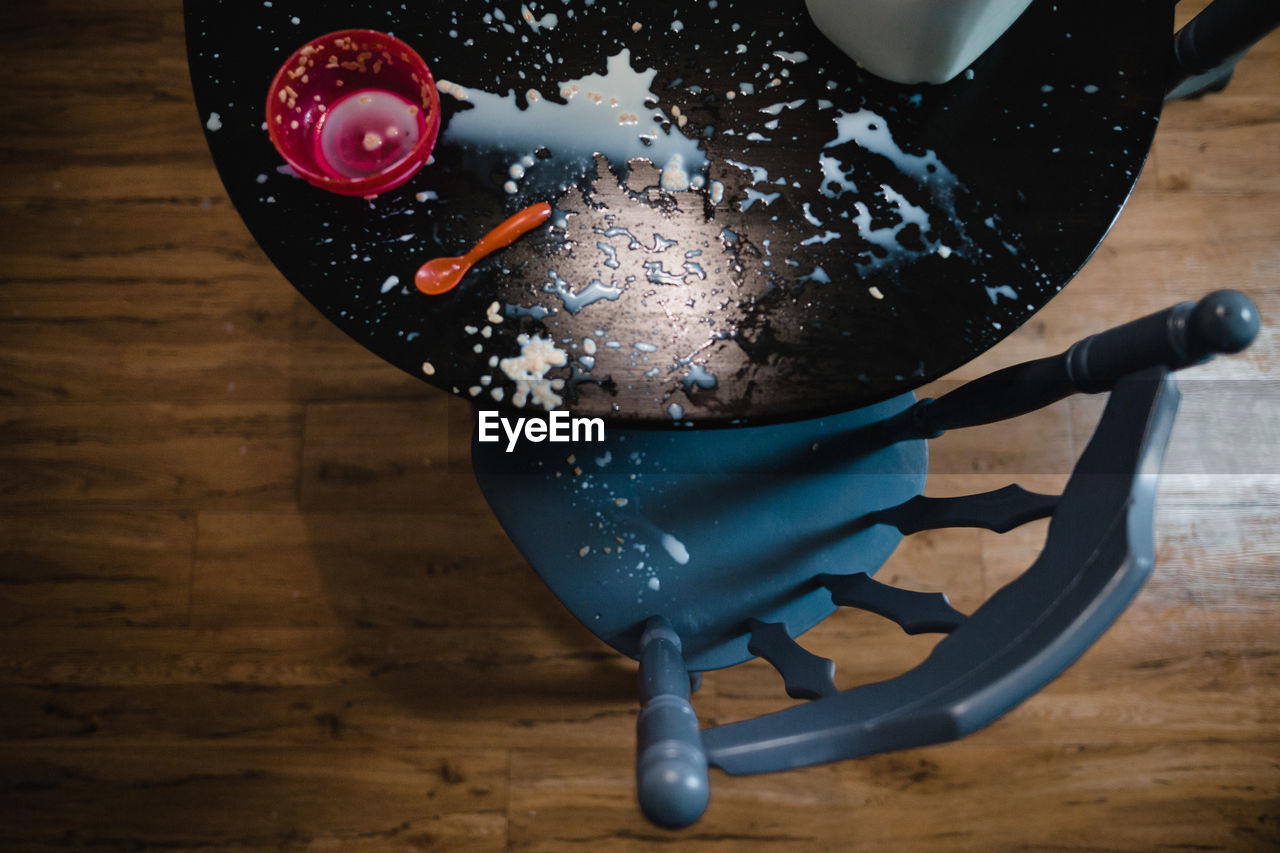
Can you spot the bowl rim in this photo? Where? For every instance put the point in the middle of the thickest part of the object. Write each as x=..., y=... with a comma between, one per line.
x=394, y=174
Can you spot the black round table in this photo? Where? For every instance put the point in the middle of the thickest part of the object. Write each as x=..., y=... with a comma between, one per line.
x=746, y=227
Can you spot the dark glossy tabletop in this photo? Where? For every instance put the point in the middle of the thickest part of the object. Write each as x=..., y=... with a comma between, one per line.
x=797, y=238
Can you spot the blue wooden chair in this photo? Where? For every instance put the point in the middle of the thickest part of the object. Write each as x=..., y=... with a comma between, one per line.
x=699, y=549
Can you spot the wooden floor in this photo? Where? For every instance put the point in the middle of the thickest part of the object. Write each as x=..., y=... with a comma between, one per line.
x=251, y=599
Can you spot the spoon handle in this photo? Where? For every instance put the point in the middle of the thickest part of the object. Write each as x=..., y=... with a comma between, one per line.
x=510, y=231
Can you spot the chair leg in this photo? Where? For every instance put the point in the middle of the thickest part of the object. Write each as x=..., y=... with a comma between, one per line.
x=671, y=767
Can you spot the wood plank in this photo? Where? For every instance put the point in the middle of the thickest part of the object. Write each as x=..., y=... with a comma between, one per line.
x=197, y=797
x=401, y=456
x=92, y=73
x=94, y=105
x=1223, y=558
x=164, y=342
x=247, y=338
x=163, y=452
x=1224, y=427
x=564, y=802
x=1160, y=672
x=1219, y=451
x=1195, y=222
x=1219, y=559
x=1183, y=163
x=1221, y=143
x=554, y=684
x=119, y=243
x=948, y=560
x=327, y=365
x=430, y=707
x=442, y=705
x=1036, y=451
x=173, y=181
x=100, y=567
x=977, y=795
x=1062, y=716
x=420, y=569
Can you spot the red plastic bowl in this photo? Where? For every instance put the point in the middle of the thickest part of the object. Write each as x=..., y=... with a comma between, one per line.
x=330, y=71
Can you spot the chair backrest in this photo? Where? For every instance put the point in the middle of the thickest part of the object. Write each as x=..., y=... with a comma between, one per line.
x=1098, y=553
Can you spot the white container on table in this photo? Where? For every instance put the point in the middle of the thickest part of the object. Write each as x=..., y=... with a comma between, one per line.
x=914, y=41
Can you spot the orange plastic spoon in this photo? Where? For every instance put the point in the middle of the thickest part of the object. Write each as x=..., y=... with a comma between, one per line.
x=441, y=275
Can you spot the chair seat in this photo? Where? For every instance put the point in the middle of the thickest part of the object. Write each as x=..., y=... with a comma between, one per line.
x=711, y=528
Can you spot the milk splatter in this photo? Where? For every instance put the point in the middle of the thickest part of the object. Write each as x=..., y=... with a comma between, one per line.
x=614, y=114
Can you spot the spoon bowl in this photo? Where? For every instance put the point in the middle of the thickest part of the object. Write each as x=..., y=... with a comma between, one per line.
x=440, y=275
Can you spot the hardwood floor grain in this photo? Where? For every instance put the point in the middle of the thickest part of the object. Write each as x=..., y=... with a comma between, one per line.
x=113, y=566
x=252, y=599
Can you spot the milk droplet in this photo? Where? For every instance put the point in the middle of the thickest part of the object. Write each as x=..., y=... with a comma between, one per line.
x=675, y=548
